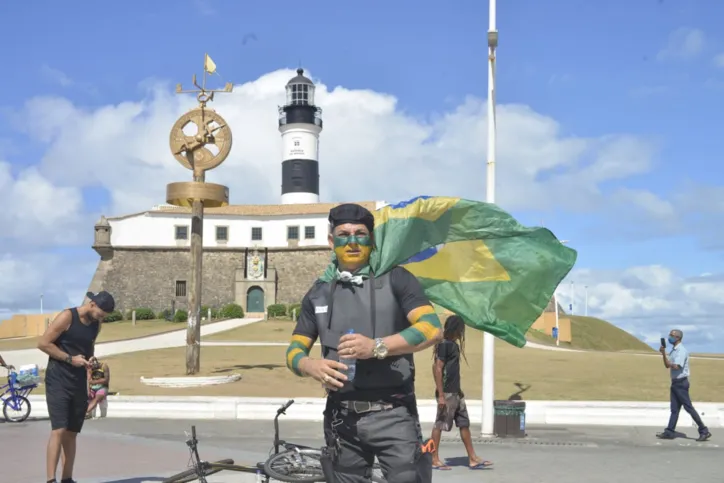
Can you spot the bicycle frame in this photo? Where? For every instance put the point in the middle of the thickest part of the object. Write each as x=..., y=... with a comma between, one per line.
x=11, y=394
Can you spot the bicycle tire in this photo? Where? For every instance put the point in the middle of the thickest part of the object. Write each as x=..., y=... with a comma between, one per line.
x=192, y=474
x=317, y=477
x=22, y=400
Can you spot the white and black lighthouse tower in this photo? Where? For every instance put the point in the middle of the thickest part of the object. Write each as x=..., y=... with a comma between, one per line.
x=300, y=123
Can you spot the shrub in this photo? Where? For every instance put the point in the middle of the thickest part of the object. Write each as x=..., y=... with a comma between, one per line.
x=294, y=309
x=180, y=316
x=114, y=316
x=276, y=310
x=145, y=314
x=165, y=314
x=231, y=311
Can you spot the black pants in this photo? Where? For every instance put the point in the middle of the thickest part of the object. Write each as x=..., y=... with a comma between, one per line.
x=680, y=398
x=392, y=435
x=67, y=405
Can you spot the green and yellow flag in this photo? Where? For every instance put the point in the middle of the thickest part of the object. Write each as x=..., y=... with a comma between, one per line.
x=473, y=259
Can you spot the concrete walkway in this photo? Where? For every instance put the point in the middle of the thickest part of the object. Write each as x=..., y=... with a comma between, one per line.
x=176, y=338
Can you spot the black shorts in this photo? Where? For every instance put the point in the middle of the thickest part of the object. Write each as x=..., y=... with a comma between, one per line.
x=66, y=408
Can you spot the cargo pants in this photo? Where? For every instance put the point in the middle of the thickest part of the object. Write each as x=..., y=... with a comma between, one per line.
x=393, y=435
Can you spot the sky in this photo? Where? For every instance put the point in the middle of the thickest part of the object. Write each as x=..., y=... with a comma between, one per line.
x=608, y=116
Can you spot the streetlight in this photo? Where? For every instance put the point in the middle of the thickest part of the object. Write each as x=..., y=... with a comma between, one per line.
x=585, y=288
x=488, y=416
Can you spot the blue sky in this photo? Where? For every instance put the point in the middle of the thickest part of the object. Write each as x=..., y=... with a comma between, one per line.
x=596, y=68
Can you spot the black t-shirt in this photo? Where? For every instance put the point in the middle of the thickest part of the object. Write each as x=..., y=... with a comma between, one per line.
x=405, y=286
x=449, y=353
x=79, y=339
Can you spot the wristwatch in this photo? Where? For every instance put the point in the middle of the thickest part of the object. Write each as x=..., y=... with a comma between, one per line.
x=69, y=359
x=380, y=350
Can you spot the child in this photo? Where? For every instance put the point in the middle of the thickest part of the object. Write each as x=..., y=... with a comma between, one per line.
x=98, y=378
x=450, y=398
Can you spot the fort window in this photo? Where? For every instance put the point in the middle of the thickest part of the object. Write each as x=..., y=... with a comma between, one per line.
x=222, y=233
x=292, y=233
x=256, y=233
x=308, y=232
x=182, y=232
x=180, y=288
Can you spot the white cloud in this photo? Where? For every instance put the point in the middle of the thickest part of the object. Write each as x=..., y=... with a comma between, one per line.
x=124, y=148
x=648, y=301
x=56, y=76
x=683, y=44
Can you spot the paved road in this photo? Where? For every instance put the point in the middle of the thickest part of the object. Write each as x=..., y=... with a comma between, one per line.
x=136, y=451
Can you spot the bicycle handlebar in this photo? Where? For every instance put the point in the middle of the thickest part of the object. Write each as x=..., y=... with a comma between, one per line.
x=285, y=406
x=193, y=433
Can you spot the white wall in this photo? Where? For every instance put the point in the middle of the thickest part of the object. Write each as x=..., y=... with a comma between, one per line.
x=300, y=144
x=158, y=230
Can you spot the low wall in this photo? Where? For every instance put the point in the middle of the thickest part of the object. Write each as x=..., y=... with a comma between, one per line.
x=561, y=413
x=546, y=322
x=25, y=325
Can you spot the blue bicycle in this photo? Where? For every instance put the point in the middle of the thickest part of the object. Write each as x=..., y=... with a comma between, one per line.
x=14, y=397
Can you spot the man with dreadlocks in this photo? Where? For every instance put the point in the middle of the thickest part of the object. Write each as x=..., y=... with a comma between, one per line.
x=450, y=398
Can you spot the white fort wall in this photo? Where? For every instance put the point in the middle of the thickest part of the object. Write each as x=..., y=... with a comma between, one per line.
x=159, y=230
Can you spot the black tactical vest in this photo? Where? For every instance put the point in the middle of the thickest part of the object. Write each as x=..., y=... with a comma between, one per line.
x=346, y=306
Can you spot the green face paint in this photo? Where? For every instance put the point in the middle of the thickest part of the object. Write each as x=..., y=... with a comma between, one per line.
x=361, y=240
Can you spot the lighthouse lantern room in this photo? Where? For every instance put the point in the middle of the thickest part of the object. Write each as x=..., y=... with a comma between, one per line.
x=300, y=123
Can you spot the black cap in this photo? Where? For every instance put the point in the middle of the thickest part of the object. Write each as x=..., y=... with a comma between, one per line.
x=103, y=300
x=351, y=213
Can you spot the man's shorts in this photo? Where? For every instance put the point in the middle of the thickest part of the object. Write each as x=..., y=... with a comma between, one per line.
x=67, y=408
x=454, y=410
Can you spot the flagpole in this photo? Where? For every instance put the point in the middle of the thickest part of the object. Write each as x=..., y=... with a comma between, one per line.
x=488, y=413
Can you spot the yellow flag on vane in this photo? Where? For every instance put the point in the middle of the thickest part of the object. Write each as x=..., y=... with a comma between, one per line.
x=209, y=65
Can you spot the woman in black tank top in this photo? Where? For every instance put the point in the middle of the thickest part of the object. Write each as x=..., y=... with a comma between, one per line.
x=69, y=342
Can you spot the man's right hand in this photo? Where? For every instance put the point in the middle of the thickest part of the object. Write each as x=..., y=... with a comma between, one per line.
x=79, y=361
x=325, y=371
x=441, y=400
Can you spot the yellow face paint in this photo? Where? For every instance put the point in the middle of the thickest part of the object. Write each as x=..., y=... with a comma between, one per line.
x=353, y=250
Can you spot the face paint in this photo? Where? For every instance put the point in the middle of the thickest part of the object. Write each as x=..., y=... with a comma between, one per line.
x=353, y=250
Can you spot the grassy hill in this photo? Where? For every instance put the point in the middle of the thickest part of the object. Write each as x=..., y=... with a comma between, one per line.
x=591, y=333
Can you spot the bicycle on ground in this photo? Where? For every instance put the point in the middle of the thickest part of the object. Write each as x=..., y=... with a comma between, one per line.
x=294, y=464
x=14, y=397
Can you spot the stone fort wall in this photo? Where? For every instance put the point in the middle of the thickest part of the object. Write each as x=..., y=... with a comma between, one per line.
x=146, y=277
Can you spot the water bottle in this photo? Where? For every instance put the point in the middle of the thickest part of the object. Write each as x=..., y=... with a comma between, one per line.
x=351, y=363
x=259, y=478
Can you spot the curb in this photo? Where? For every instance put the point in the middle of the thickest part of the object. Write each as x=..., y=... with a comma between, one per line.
x=566, y=413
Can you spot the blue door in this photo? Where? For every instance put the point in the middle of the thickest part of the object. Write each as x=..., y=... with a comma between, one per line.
x=255, y=300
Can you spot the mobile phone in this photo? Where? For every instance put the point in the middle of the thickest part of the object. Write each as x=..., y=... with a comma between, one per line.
x=663, y=342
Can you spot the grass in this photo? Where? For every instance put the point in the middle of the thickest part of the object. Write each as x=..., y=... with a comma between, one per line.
x=111, y=331
x=554, y=375
x=591, y=333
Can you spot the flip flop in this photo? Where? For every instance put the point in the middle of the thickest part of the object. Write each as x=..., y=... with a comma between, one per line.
x=481, y=466
x=441, y=467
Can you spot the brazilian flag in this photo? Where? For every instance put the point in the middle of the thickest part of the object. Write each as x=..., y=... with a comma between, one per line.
x=473, y=259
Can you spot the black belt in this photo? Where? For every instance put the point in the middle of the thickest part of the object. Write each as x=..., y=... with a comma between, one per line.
x=361, y=407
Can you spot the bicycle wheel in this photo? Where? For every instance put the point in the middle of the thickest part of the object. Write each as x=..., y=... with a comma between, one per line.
x=23, y=406
x=295, y=466
x=192, y=474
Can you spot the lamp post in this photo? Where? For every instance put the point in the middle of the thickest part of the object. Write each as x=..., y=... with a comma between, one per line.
x=192, y=153
x=585, y=304
x=487, y=427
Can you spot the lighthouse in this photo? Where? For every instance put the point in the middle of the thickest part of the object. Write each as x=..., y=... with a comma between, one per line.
x=300, y=123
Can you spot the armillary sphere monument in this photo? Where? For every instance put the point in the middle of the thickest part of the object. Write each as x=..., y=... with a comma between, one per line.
x=199, y=152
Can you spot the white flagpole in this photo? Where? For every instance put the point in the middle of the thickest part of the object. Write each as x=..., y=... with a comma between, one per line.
x=488, y=339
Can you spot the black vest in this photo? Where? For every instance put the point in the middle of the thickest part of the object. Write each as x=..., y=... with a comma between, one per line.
x=79, y=339
x=350, y=306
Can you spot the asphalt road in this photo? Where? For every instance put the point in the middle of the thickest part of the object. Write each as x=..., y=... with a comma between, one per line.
x=144, y=450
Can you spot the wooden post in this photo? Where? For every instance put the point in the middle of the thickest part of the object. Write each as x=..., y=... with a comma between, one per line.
x=193, y=330
x=133, y=318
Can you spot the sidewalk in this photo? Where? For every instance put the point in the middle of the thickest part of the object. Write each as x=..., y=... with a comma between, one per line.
x=115, y=451
x=176, y=338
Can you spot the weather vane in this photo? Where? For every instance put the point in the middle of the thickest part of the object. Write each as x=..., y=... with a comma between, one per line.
x=200, y=140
